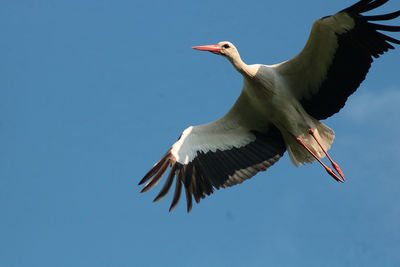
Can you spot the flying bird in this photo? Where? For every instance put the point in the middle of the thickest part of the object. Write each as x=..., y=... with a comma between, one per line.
x=279, y=108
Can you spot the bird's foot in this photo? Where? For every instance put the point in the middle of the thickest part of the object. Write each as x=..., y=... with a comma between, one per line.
x=334, y=164
x=334, y=175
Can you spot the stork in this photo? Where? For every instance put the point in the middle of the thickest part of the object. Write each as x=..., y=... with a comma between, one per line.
x=279, y=108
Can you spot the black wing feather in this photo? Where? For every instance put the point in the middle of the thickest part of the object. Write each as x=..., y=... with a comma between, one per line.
x=217, y=169
x=352, y=60
x=388, y=16
x=165, y=189
x=178, y=188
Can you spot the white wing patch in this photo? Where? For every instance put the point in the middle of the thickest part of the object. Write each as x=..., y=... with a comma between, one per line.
x=306, y=72
x=204, y=139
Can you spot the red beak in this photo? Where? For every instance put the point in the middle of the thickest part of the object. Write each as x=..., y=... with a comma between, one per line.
x=211, y=48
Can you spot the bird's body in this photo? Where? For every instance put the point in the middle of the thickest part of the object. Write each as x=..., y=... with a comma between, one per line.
x=279, y=108
x=268, y=100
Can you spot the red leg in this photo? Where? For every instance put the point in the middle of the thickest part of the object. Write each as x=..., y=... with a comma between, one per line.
x=329, y=170
x=334, y=165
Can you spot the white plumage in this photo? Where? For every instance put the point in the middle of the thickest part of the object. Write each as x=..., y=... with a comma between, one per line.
x=279, y=107
x=208, y=138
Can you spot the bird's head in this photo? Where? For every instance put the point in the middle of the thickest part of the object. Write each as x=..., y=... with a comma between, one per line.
x=229, y=51
x=226, y=49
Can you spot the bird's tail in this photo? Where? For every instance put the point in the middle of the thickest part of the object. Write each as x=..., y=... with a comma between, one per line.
x=299, y=155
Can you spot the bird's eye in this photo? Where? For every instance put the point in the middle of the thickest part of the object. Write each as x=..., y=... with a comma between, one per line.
x=225, y=46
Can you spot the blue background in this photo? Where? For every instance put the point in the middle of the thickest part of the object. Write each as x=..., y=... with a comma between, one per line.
x=92, y=93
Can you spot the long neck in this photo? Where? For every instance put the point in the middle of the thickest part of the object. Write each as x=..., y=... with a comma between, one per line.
x=241, y=67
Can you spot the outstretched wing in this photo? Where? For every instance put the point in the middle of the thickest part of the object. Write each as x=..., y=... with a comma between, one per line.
x=218, y=154
x=337, y=57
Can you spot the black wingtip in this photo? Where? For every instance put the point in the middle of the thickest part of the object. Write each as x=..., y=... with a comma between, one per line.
x=387, y=28
x=150, y=173
x=157, y=177
x=388, y=16
x=143, y=190
x=142, y=181
x=364, y=6
x=155, y=169
x=357, y=6
x=165, y=189
x=372, y=5
x=178, y=190
x=188, y=199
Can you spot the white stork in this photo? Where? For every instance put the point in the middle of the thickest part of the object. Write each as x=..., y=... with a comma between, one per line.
x=279, y=107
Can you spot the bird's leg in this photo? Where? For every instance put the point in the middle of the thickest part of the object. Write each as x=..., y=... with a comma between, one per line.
x=328, y=170
x=334, y=164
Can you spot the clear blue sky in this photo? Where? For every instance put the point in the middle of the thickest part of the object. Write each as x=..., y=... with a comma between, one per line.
x=92, y=93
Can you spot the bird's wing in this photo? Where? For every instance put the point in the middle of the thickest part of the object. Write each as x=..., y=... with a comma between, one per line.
x=218, y=154
x=337, y=57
